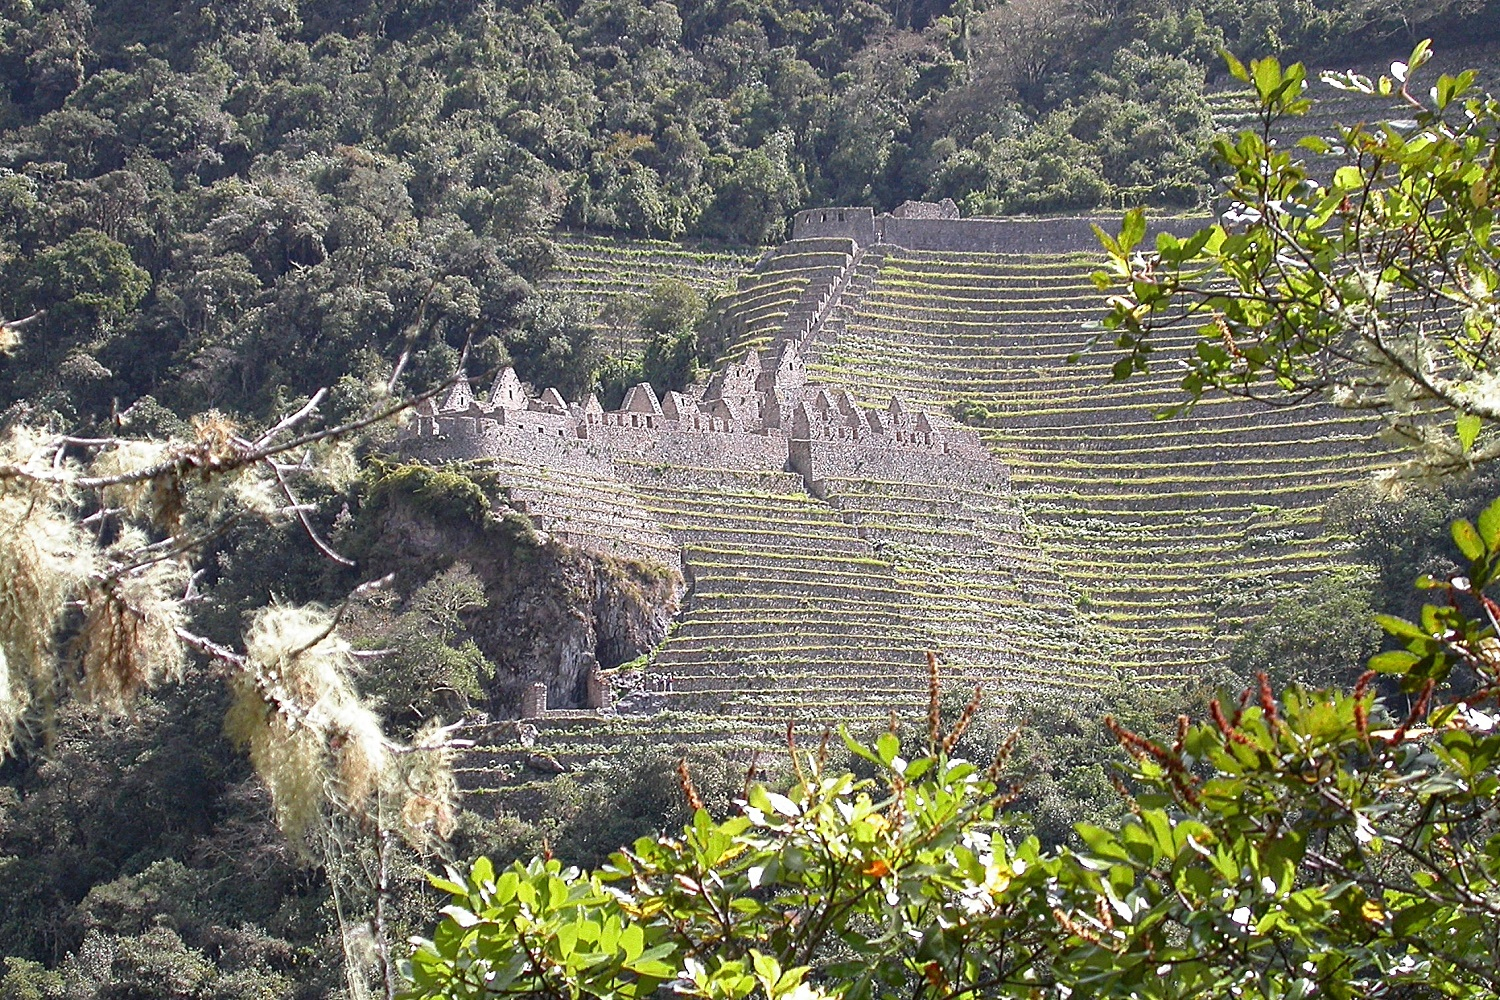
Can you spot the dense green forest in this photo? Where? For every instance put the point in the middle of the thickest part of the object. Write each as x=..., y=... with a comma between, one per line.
x=230, y=205
x=197, y=194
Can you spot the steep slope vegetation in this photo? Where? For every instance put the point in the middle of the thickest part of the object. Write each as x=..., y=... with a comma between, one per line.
x=610, y=276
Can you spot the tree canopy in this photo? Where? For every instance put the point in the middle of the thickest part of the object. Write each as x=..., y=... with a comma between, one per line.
x=194, y=196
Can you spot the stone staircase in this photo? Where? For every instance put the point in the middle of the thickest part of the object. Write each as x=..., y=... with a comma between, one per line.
x=857, y=282
x=786, y=297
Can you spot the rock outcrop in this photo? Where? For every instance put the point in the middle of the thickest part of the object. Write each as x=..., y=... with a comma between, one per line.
x=556, y=615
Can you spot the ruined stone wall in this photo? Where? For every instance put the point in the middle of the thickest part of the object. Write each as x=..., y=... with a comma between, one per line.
x=730, y=449
x=857, y=224
x=462, y=438
x=1011, y=235
x=468, y=438
x=936, y=227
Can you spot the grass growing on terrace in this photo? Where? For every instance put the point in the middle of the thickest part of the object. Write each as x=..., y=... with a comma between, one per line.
x=994, y=332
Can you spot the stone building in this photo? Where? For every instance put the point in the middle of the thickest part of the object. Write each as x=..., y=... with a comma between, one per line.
x=754, y=414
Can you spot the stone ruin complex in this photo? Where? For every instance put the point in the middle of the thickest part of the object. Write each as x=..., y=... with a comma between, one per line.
x=596, y=478
x=751, y=415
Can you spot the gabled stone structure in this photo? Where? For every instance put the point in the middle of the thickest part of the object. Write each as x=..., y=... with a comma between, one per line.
x=754, y=414
x=945, y=209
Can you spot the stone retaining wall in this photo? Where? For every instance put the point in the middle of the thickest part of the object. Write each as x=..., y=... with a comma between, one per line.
x=729, y=449
x=919, y=226
x=822, y=460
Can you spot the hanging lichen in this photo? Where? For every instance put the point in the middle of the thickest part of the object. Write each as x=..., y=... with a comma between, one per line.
x=297, y=714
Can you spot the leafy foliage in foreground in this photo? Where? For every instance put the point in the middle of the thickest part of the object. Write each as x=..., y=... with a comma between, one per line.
x=1316, y=843
x=1359, y=266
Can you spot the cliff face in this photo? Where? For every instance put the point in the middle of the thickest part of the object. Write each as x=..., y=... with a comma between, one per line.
x=555, y=611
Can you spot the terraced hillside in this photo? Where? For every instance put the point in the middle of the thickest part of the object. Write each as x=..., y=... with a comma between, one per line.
x=826, y=602
x=604, y=274
x=1233, y=108
x=818, y=608
x=1167, y=533
x=1123, y=546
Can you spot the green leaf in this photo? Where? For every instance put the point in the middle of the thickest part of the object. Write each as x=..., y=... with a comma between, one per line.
x=1419, y=55
x=1108, y=242
x=1101, y=842
x=766, y=967
x=1236, y=68
x=1132, y=229
x=566, y=937
x=1489, y=526
x=1348, y=178
x=609, y=934
x=505, y=887
x=1267, y=73
x=1411, y=918
x=855, y=747
x=1467, y=539
x=448, y=885
x=632, y=942
x=1400, y=627
x=1448, y=88
x=1396, y=661
x=1467, y=427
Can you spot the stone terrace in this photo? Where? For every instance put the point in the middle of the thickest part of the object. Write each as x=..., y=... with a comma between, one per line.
x=830, y=538
x=609, y=275
x=1168, y=534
